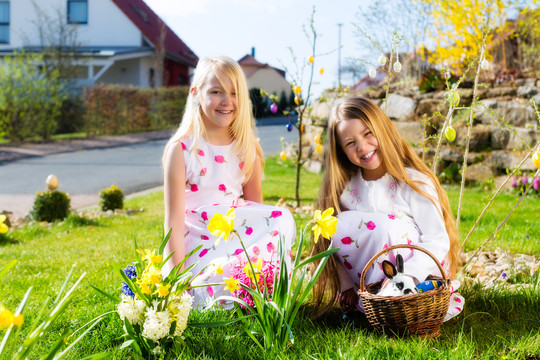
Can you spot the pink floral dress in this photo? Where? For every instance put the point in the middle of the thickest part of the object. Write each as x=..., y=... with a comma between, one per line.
x=383, y=213
x=213, y=185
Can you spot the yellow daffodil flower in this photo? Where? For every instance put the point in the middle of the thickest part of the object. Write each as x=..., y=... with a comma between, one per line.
x=150, y=257
x=7, y=318
x=257, y=267
x=325, y=224
x=145, y=289
x=163, y=290
x=219, y=269
x=3, y=227
x=222, y=226
x=231, y=284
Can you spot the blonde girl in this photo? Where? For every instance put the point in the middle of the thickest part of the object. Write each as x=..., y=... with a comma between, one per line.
x=384, y=195
x=212, y=163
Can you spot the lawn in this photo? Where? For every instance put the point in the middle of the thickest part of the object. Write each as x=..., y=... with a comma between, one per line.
x=496, y=322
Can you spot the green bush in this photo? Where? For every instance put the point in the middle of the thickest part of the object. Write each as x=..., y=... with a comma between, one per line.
x=433, y=80
x=111, y=198
x=50, y=206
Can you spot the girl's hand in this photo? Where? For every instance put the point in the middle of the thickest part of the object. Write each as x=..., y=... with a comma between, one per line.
x=348, y=299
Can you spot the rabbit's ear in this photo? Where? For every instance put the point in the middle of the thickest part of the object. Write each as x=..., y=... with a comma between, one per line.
x=389, y=269
x=399, y=263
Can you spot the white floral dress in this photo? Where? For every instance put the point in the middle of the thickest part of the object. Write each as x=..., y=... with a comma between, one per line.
x=213, y=185
x=386, y=212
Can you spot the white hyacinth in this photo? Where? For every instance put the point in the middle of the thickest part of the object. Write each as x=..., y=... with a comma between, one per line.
x=182, y=308
x=131, y=309
x=156, y=324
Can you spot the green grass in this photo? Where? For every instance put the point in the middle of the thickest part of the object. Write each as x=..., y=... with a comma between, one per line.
x=495, y=323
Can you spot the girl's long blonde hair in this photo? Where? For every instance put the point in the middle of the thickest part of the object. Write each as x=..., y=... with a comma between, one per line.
x=396, y=156
x=241, y=129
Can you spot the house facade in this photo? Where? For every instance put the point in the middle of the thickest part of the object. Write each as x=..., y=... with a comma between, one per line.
x=265, y=77
x=115, y=41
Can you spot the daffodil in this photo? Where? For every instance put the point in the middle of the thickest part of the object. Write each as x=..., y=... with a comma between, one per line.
x=163, y=290
x=231, y=284
x=219, y=269
x=3, y=227
x=7, y=318
x=257, y=267
x=150, y=257
x=325, y=224
x=222, y=226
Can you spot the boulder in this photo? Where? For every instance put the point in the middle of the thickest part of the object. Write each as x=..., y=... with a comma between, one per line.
x=480, y=137
x=500, y=92
x=478, y=173
x=400, y=107
x=412, y=132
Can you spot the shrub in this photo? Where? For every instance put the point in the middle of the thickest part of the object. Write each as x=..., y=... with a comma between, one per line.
x=521, y=184
x=111, y=198
x=50, y=206
x=433, y=80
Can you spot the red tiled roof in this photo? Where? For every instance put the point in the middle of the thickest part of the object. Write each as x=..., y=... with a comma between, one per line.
x=251, y=65
x=150, y=25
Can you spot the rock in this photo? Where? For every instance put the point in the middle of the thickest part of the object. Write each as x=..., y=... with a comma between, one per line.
x=410, y=131
x=526, y=91
x=478, y=173
x=529, y=82
x=486, y=111
x=517, y=112
x=400, y=107
x=480, y=138
x=500, y=161
x=500, y=92
x=429, y=106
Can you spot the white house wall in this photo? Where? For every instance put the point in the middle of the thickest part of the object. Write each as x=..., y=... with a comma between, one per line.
x=125, y=72
x=107, y=24
x=270, y=81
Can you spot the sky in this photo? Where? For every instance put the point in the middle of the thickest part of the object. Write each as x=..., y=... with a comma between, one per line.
x=234, y=27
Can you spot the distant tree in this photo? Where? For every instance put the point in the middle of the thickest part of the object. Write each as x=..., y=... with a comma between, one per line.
x=258, y=102
x=283, y=102
x=528, y=35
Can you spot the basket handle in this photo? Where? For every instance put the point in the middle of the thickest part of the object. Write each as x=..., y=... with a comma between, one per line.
x=399, y=246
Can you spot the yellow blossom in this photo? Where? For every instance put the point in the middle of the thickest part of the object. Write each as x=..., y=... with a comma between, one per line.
x=150, y=257
x=231, y=284
x=325, y=224
x=222, y=226
x=257, y=267
x=7, y=318
x=163, y=290
x=145, y=289
x=3, y=227
x=219, y=269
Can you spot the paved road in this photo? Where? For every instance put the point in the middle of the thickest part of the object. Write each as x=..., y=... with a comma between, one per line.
x=82, y=174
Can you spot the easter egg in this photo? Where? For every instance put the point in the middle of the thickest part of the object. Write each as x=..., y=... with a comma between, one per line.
x=318, y=148
x=382, y=60
x=453, y=98
x=372, y=73
x=51, y=182
x=536, y=159
x=450, y=133
x=273, y=108
x=283, y=155
x=321, y=70
x=311, y=59
x=289, y=127
x=297, y=89
x=484, y=65
x=297, y=100
x=317, y=139
x=397, y=66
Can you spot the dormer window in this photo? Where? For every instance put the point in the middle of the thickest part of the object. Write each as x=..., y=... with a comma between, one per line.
x=77, y=11
x=4, y=22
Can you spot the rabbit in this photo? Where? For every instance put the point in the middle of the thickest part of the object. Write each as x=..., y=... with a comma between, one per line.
x=397, y=283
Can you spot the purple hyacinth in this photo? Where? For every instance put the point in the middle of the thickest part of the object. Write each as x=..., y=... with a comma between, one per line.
x=524, y=180
x=131, y=273
x=514, y=181
x=536, y=183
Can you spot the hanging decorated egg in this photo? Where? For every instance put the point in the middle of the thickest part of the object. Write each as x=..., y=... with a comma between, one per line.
x=318, y=148
x=311, y=59
x=297, y=100
x=397, y=66
x=297, y=89
x=321, y=70
x=536, y=159
x=283, y=155
x=382, y=60
x=372, y=73
x=453, y=98
x=317, y=139
x=450, y=133
x=51, y=182
x=484, y=65
x=273, y=108
x=289, y=127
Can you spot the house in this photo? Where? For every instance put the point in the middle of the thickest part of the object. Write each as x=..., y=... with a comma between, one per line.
x=113, y=41
x=263, y=76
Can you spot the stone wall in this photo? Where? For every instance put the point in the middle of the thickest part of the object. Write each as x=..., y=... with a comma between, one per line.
x=505, y=125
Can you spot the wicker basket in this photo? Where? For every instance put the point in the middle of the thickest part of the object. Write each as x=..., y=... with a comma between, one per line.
x=417, y=314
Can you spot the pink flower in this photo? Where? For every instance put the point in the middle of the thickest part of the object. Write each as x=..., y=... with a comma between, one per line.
x=391, y=216
x=194, y=187
x=514, y=181
x=184, y=147
x=200, y=152
x=241, y=165
x=256, y=250
x=385, y=246
x=210, y=291
x=370, y=225
x=204, y=237
x=238, y=252
x=270, y=247
x=347, y=265
x=203, y=252
x=536, y=183
x=222, y=187
x=219, y=159
x=204, y=215
x=276, y=214
x=346, y=241
x=249, y=230
x=203, y=171
x=524, y=180
x=274, y=233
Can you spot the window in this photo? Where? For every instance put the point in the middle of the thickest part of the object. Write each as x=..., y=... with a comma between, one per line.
x=4, y=22
x=77, y=11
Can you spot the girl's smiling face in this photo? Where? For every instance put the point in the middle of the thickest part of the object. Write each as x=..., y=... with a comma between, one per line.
x=218, y=103
x=361, y=147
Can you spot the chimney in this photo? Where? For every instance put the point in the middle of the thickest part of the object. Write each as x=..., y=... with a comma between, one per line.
x=253, y=51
